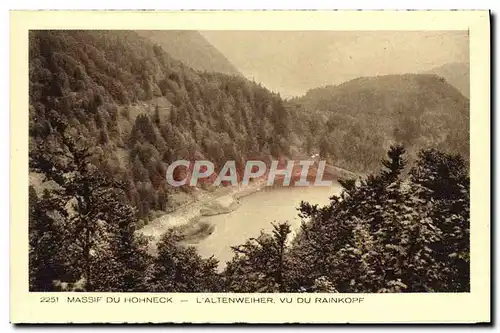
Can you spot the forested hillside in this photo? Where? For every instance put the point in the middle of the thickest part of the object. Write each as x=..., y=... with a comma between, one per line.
x=355, y=122
x=110, y=109
x=141, y=110
x=387, y=233
x=192, y=49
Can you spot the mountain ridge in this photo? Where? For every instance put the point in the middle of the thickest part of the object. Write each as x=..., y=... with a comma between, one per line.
x=457, y=74
x=368, y=114
x=191, y=48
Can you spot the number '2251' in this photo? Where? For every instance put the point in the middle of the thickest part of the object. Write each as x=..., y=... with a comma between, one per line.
x=47, y=299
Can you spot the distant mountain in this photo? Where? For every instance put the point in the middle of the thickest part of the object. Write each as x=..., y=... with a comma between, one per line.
x=192, y=49
x=356, y=121
x=456, y=74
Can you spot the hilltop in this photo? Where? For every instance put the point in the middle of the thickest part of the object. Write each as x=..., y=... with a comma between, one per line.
x=354, y=122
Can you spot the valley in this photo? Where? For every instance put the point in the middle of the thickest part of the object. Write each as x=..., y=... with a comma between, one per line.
x=110, y=111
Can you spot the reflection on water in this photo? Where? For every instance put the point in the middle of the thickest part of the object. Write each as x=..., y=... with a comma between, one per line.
x=256, y=213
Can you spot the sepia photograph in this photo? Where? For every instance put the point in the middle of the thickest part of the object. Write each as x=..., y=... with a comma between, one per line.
x=249, y=162
x=110, y=111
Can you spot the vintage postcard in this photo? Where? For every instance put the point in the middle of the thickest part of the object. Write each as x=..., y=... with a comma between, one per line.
x=250, y=167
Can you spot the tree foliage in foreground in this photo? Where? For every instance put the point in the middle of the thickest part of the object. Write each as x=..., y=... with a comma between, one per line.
x=386, y=233
x=260, y=264
x=82, y=233
x=181, y=269
x=391, y=234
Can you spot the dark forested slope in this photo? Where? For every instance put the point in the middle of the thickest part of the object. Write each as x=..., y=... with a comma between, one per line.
x=192, y=49
x=354, y=122
x=140, y=110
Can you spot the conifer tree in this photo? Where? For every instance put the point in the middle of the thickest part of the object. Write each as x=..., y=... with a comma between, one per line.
x=180, y=269
x=46, y=256
x=92, y=216
x=395, y=164
x=260, y=264
x=387, y=234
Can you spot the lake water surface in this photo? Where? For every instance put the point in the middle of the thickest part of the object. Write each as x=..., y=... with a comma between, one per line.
x=256, y=212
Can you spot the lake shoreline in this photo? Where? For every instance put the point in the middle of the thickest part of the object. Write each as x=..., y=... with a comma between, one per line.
x=187, y=219
x=221, y=201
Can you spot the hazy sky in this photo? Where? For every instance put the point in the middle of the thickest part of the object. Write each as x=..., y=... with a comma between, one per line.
x=291, y=62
